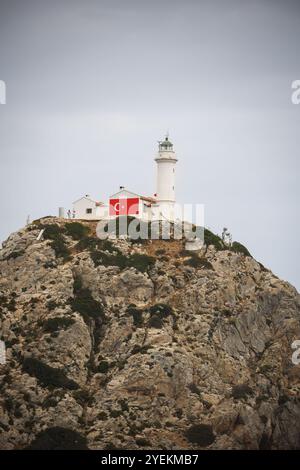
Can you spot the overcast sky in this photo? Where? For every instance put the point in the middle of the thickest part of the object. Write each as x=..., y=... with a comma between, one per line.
x=93, y=84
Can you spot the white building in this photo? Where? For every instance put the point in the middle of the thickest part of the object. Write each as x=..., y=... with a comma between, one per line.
x=124, y=202
x=88, y=208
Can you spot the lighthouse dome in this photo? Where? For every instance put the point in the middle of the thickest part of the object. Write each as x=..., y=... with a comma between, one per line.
x=165, y=144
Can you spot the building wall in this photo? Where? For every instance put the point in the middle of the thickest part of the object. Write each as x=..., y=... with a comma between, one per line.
x=81, y=206
x=102, y=212
x=165, y=183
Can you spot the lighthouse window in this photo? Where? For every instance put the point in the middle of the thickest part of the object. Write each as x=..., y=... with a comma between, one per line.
x=89, y=211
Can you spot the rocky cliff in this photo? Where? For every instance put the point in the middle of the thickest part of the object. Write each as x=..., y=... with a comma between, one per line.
x=115, y=344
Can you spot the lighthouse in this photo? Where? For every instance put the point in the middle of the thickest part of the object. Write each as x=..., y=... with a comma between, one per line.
x=165, y=184
x=124, y=202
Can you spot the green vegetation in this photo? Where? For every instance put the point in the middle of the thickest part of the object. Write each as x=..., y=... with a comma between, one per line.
x=124, y=405
x=211, y=239
x=88, y=243
x=76, y=230
x=3, y=301
x=163, y=310
x=94, y=243
x=101, y=258
x=83, y=396
x=57, y=323
x=136, y=314
x=158, y=313
x=52, y=305
x=141, y=262
x=86, y=305
x=107, y=245
x=77, y=285
x=196, y=262
x=262, y=267
x=116, y=413
x=239, y=248
x=49, y=402
x=58, y=438
x=47, y=375
x=103, y=367
x=54, y=233
x=15, y=254
x=9, y=304
x=241, y=391
x=201, y=434
x=103, y=252
x=61, y=250
x=138, y=349
x=155, y=321
x=51, y=231
x=142, y=442
x=265, y=368
x=194, y=389
x=8, y=404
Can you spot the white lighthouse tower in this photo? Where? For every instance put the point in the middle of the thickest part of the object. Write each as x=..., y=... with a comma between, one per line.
x=165, y=186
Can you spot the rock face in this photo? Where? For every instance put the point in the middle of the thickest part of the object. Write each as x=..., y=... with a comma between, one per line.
x=132, y=346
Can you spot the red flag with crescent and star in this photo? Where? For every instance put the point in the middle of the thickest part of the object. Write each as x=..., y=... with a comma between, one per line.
x=124, y=206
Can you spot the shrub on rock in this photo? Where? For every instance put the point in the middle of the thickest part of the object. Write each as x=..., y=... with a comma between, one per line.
x=201, y=434
x=136, y=314
x=162, y=310
x=76, y=230
x=54, y=232
x=103, y=367
x=58, y=438
x=211, y=239
x=196, y=262
x=47, y=375
x=57, y=323
x=158, y=313
x=155, y=322
x=239, y=248
x=141, y=262
x=241, y=391
x=86, y=305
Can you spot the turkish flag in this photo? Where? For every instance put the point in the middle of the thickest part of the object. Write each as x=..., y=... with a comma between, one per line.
x=124, y=206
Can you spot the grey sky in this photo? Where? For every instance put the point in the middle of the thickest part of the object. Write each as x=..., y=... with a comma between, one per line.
x=92, y=85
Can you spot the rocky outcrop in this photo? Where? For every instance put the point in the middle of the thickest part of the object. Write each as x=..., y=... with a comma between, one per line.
x=126, y=345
